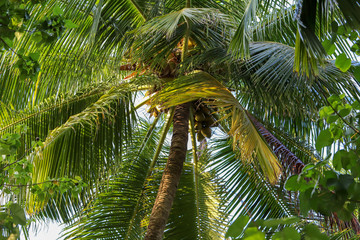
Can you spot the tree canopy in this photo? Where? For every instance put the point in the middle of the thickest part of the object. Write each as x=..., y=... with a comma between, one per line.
x=244, y=79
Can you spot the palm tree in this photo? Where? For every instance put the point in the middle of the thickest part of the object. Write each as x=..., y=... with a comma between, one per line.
x=195, y=59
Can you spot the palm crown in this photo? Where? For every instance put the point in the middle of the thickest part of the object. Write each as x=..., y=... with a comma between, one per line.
x=214, y=60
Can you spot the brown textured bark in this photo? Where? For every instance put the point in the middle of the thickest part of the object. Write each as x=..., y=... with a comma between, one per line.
x=171, y=176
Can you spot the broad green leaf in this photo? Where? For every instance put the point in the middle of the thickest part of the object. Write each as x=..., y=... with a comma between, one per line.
x=287, y=233
x=353, y=35
x=345, y=111
x=292, y=183
x=341, y=30
x=253, y=233
x=312, y=232
x=356, y=104
x=346, y=180
x=345, y=213
x=332, y=183
x=34, y=56
x=18, y=214
x=70, y=24
x=324, y=139
x=344, y=159
x=304, y=202
x=356, y=73
x=36, y=37
x=343, y=62
x=297, y=183
x=355, y=170
x=326, y=111
x=342, y=96
x=336, y=131
x=237, y=227
x=57, y=10
x=329, y=46
x=354, y=191
x=332, y=118
x=334, y=98
x=354, y=48
x=78, y=178
x=329, y=174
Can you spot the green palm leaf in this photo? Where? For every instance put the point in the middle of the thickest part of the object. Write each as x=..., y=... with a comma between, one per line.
x=198, y=211
x=126, y=201
x=201, y=85
x=246, y=191
x=85, y=141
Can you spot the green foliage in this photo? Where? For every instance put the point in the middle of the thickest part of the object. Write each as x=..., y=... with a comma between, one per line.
x=343, y=62
x=237, y=227
x=16, y=178
x=16, y=22
x=324, y=139
x=290, y=228
x=322, y=188
x=88, y=133
x=288, y=233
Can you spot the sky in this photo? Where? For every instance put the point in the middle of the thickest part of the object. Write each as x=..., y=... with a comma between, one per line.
x=45, y=232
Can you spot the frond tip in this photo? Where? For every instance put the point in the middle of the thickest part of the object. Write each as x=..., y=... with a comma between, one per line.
x=246, y=137
x=250, y=142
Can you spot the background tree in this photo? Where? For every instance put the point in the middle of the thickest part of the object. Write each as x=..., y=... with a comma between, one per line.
x=82, y=106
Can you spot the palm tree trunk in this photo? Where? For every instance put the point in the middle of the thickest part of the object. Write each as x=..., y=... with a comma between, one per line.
x=171, y=176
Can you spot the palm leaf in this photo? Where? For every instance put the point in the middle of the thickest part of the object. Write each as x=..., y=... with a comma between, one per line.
x=92, y=131
x=268, y=78
x=287, y=158
x=197, y=212
x=246, y=137
x=126, y=202
x=350, y=9
x=246, y=191
x=75, y=55
x=250, y=10
x=122, y=204
x=160, y=37
x=309, y=52
x=315, y=17
x=53, y=111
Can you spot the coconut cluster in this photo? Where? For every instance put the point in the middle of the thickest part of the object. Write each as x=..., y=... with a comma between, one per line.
x=204, y=121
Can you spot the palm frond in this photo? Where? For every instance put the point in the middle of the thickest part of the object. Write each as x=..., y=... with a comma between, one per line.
x=197, y=212
x=91, y=131
x=75, y=56
x=302, y=146
x=52, y=112
x=246, y=191
x=309, y=52
x=267, y=78
x=314, y=20
x=250, y=10
x=240, y=42
x=161, y=36
x=202, y=85
x=124, y=206
x=288, y=159
x=276, y=27
x=350, y=9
